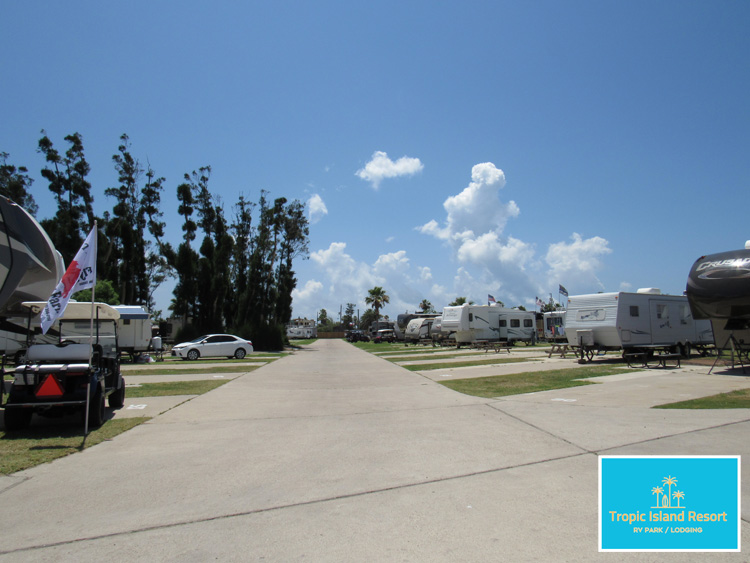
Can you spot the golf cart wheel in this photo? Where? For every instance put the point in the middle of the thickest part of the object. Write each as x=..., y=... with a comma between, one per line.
x=17, y=419
x=117, y=399
x=239, y=353
x=193, y=355
x=96, y=409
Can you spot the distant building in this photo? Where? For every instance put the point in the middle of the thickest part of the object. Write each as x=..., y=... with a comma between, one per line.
x=302, y=328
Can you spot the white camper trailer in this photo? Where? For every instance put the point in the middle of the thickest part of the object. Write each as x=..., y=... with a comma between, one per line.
x=135, y=331
x=644, y=321
x=493, y=323
x=302, y=328
x=419, y=330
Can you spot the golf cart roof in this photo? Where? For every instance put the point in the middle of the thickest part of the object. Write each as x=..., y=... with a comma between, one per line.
x=77, y=310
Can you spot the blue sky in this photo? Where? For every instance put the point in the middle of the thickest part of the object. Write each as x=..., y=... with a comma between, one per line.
x=443, y=149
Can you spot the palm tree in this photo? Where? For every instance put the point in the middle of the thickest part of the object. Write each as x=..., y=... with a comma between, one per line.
x=459, y=301
x=669, y=481
x=377, y=298
x=657, y=491
x=425, y=305
x=678, y=495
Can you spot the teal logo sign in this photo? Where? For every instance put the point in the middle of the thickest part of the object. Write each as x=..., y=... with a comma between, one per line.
x=669, y=503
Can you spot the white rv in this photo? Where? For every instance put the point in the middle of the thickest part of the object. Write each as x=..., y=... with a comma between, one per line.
x=302, y=328
x=493, y=323
x=135, y=331
x=624, y=321
x=419, y=329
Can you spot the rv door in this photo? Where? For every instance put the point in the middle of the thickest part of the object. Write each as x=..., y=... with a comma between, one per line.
x=664, y=321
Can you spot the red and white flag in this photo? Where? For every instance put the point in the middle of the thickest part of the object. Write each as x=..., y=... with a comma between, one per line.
x=81, y=274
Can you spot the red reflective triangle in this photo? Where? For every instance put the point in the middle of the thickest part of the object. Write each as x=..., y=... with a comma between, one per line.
x=50, y=387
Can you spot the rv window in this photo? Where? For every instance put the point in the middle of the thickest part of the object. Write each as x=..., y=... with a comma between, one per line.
x=662, y=312
x=527, y=323
x=515, y=323
x=126, y=321
x=503, y=323
x=471, y=317
x=634, y=310
x=591, y=315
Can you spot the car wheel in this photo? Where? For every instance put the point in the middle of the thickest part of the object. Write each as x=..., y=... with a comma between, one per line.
x=193, y=355
x=239, y=353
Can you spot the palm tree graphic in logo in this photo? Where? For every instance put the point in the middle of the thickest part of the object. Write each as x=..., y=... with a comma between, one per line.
x=665, y=501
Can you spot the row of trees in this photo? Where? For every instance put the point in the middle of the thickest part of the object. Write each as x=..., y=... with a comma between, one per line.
x=231, y=273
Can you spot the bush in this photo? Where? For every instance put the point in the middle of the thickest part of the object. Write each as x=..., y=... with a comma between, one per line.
x=270, y=338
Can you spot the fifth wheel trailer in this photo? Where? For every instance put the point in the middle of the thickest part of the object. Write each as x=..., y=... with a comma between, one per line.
x=644, y=320
x=420, y=329
x=718, y=289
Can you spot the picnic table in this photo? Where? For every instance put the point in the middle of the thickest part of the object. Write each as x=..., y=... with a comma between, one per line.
x=643, y=358
x=562, y=349
x=497, y=346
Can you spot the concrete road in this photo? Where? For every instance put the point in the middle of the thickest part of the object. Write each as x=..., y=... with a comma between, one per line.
x=332, y=454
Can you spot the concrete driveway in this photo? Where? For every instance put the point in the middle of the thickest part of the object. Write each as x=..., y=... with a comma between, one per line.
x=333, y=454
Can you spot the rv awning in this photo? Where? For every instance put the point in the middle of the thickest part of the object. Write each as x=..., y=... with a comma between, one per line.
x=131, y=312
x=77, y=310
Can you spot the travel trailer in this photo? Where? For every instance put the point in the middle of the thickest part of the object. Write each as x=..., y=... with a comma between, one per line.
x=554, y=326
x=136, y=331
x=419, y=330
x=493, y=323
x=718, y=289
x=632, y=322
x=302, y=328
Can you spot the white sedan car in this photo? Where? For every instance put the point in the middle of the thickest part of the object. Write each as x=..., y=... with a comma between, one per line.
x=213, y=345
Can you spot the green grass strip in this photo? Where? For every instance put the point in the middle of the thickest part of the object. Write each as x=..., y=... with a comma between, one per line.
x=739, y=399
x=517, y=383
x=28, y=448
x=449, y=365
x=187, y=369
x=170, y=388
x=416, y=358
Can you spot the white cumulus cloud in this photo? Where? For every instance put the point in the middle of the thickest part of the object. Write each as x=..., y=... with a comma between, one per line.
x=316, y=208
x=381, y=167
x=577, y=262
x=476, y=210
x=491, y=261
x=308, y=291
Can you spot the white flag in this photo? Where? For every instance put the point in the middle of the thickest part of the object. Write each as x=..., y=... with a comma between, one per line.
x=81, y=274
